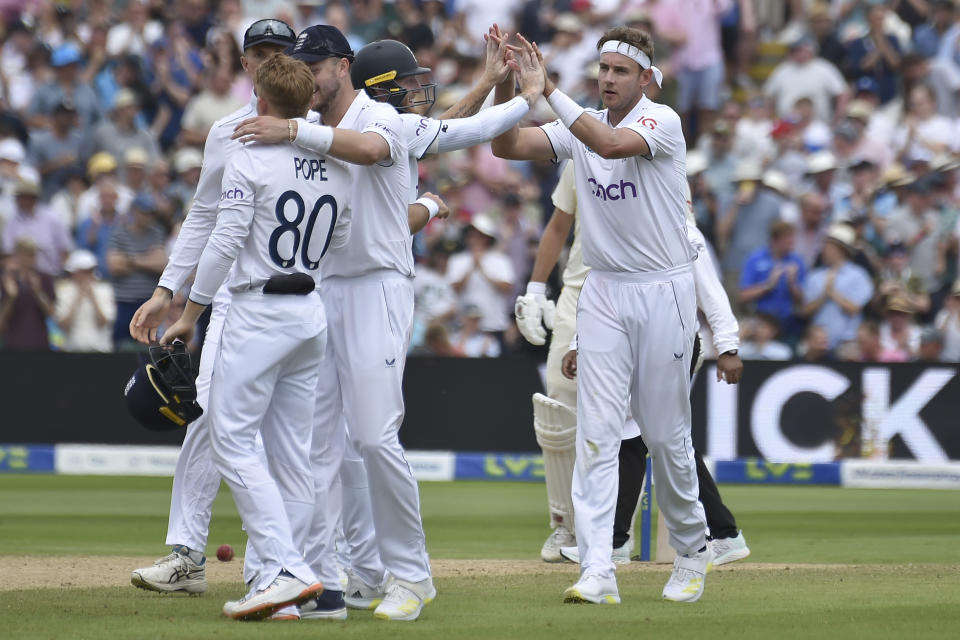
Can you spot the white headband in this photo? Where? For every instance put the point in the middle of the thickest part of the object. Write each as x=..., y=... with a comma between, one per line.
x=635, y=54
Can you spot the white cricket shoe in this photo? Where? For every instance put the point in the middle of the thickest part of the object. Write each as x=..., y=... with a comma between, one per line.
x=727, y=550
x=405, y=600
x=689, y=572
x=559, y=537
x=285, y=590
x=593, y=589
x=175, y=572
x=360, y=595
x=329, y=605
x=620, y=555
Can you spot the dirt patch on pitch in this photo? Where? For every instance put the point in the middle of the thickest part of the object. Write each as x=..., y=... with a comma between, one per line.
x=66, y=572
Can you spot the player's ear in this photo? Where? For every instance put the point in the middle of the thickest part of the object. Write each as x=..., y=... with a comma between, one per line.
x=243, y=62
x=646, y=76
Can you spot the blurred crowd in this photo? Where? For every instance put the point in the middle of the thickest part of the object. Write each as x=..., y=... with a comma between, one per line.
x=823, y=141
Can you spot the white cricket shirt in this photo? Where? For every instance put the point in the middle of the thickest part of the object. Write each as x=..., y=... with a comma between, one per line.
x=380, y=235
x=202, y=216
x=282, y=210
x=631, y=209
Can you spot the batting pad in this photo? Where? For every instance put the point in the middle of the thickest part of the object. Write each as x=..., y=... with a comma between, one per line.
x=555, y=425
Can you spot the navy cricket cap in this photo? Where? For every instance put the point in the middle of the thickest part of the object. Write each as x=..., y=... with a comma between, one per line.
x=268, y=31
x=319, y=42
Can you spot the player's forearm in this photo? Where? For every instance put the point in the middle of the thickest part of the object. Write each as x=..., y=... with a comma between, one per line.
x=607, y=142
x=486, y=125
x=417, y=217
x=364, y=148
x=191, y=240
x=551, y=244
x=192, y=311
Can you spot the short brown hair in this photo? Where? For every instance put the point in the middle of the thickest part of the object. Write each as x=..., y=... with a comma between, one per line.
x=286, y=84
x=640, y=39
x=781, y=228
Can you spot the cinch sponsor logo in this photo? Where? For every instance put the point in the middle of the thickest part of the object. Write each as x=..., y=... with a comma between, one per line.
x=613, y=191
x=232, y=194
x=422, y=126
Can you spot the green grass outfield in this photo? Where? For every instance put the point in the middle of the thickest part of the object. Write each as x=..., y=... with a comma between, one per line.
x=834, y=562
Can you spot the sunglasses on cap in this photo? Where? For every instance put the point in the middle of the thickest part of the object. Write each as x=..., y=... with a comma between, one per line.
x=270, y=31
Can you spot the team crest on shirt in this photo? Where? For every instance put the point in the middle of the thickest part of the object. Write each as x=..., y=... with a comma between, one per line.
x=647, y=122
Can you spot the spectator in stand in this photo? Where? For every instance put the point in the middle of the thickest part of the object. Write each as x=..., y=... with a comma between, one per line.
x=64, y=202
x=93, y=233
x=917, y=225
x=835, y=294
x=899, y=335
x=772, y=280
x=517, y=232
x=948, y=322
x=928, y=36
x=66, y=85
x=173, y=71
x=120, y=132
x=208, y=106
x=821, y=174
x=898, y=280
x=692, y=27
x=865, y=147
x=941, y=75
x=816, y=345
x=33, y=220
x=876, y=54
x=434, y=298
x=59, y=150
x=924, y=133
x=436, y=342
x=135, y=259
x=824, y=32
x=135, y=33
x=471, y=341
x=187, y=163
x=869, y=346
x=760, y=341
x=85, y=308
x=803, y=74
x=931, y=346
x=134, y=173
x=102, y=168
x=483, y=276
x=26, y=300
x=746, y=223
x=721, y=164
x=568, y=51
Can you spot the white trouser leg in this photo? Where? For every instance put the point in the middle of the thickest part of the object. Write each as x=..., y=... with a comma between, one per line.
x=266, y=374
x=326, y=456
x=251, y=562
x=376, y=320
x=196, y=479
x=558, y=465
x=358, y=530
x=660, y=403
x=604, y=370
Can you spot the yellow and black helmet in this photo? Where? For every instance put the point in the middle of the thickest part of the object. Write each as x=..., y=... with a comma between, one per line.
x=162, y=394
x=379, y=65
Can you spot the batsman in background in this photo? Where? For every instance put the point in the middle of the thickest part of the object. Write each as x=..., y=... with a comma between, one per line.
x=552, y=416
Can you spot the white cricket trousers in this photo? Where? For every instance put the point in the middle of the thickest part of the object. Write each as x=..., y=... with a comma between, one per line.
x=370, y=320
x=635, y=341
x=264, y=379
x=196, y=479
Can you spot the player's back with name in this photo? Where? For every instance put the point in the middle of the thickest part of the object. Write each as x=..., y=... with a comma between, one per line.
x=296, y=205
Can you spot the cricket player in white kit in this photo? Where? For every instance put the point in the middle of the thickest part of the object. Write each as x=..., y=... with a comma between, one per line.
x=278, y=226
x=394, y=70
x=196, y=480
x=637, y=311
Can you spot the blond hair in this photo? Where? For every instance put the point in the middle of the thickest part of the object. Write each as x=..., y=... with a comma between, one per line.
x=286, y=84
x=639, y=39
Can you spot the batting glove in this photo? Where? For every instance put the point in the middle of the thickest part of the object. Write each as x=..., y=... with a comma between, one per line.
x=533, y=312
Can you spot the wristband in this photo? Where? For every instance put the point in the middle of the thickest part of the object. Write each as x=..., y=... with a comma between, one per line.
x=315, y=137
x=536, y=288
x=566, y=109
x=432, y=207
x=290, y=136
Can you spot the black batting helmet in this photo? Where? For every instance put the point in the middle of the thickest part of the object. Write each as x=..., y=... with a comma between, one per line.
x=162, y=394
x=379, y=65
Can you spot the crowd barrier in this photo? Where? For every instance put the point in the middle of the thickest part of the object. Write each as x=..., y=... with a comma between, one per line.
x=787, y=412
